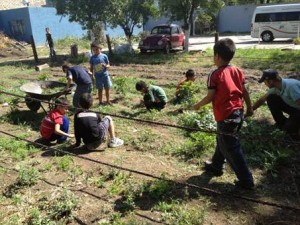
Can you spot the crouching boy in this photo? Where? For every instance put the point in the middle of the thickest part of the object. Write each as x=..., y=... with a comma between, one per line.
x=55, y=126
x=89, y=127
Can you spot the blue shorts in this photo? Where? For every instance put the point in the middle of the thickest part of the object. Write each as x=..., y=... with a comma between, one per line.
x=103, y=82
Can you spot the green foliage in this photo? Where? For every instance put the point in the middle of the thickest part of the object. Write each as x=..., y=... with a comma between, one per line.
x=19, y=150
x=186, y=94
x=63, y=205
x=203, y=120
x=64, y=163
x=127, y=13
x=177, y=213
x=36, y=218
x=272, y=150
x=43, y=76
x=121, y=85
x=118, y=184
x=28, y=176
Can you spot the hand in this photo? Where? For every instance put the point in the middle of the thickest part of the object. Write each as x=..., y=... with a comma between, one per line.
x=196, y=107
x=142, y=102
x=103, y=65
x=71, y=135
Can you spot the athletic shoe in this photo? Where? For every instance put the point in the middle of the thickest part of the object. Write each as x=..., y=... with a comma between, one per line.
x=115, y=142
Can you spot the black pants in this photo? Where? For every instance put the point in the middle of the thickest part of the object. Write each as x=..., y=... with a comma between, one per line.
x=277, y=107
x=153, y=105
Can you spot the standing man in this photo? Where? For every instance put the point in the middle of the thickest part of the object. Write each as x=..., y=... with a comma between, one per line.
x=282, y=97
x=81, y=78
x=50, y=42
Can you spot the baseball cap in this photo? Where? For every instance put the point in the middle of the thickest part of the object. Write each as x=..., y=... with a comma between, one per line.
x=269, y=74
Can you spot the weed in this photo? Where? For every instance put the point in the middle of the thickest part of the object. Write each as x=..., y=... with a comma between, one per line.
x=36, y=218
x=63, y=205
x=64, y=163
x=181, y=214
x=19, y=150
x=28, y=176
x=118, y=184
x=43, y=76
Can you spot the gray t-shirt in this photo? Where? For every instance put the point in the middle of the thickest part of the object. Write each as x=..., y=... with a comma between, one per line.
x=290, y=92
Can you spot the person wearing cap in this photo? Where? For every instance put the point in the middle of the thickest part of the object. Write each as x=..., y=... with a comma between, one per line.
x=189, y=78
x=81, y=78
x=99, y=64
x=282, y=97
x=55, y=125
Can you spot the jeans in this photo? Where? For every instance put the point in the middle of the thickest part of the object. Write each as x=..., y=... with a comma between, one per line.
x=65, y=128
x=277, y=107
x=229, y=148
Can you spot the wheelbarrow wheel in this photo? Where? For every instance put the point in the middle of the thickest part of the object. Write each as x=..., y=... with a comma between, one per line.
x=32, y=105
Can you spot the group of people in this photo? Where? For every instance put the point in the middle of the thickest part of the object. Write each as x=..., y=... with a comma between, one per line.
x=226, y=92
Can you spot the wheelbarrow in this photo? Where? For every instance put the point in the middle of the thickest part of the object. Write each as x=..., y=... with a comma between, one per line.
x=38, y=91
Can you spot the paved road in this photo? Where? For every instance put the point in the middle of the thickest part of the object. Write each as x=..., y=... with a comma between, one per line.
x=245, y=41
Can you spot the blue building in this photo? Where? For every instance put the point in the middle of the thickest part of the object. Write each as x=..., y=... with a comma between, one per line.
x=21, y=23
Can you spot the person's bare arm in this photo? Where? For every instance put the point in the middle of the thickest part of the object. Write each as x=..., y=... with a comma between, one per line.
x=207, y=99
x=246, y=97
x=259, y=102
x=58, y=131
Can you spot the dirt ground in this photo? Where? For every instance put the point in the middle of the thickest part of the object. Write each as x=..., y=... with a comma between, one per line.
x=227, y=205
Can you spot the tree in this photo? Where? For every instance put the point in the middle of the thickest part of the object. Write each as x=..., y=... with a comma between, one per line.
x=124, y=13
x=181, y=10
x=129, y=13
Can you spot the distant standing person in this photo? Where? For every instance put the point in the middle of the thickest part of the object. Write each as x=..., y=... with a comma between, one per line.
x=154, y=96
x=99, y=64
x=81, y=78
x=50, y=42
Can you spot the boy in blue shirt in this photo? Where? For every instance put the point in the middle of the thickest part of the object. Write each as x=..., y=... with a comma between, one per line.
x=99, y=64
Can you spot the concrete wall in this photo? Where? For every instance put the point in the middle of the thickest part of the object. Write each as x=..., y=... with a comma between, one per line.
x=60, y=27
x=34, y=20
x=236, y=18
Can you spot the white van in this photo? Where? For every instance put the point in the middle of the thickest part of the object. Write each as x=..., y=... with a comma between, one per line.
x=276, y=21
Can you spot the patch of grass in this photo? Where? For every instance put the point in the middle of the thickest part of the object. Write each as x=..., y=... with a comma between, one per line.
x=182, y=214
x=18, y=150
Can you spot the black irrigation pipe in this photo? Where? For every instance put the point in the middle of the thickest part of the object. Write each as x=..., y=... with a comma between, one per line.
x=191, y=129
x=208, y=190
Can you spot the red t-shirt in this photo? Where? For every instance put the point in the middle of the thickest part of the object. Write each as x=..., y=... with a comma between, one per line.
x=48, y=123
x=228, y=82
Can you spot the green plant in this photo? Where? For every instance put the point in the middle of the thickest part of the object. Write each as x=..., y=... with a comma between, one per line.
x=44, y=76
x=28, y=176
x=64, y=163
x=63, y=205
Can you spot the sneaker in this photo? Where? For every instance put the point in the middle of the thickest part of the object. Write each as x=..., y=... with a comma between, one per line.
x=115, y=142
x=244, y=185
x=208, y=167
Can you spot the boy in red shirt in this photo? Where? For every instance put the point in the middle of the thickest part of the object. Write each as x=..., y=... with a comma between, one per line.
x=226, y=91
x=55, y=126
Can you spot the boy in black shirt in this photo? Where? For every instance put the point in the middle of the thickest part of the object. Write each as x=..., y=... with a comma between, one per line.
x=89, y=127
